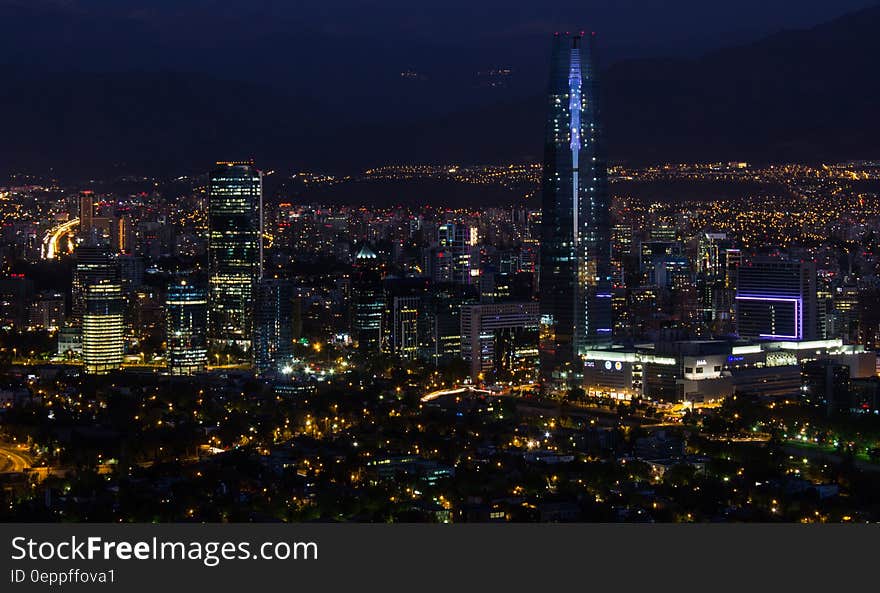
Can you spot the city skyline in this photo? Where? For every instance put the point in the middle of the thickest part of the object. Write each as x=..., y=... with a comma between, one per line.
x=573, y=339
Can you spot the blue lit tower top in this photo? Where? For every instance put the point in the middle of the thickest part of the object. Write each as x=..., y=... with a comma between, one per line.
x=575, y=242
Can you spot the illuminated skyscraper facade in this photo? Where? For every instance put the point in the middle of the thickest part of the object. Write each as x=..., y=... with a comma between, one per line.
x=94, y=263
x=776, y=300
x=457, y=253
x=103, y=343
x=575, y=281
x=368, y=301
x=273, y=332
x=405, y=334
x=186, y=315
x=235, y=211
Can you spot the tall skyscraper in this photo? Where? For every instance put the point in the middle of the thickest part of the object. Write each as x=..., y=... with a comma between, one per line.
x=186, y=314
x=445, y=302
x=717, y=260
x=102, y=223
x=575, y=281
x=406, y=311
x=621, y=248
x=457, y=247
x=47, y=311
x=94, y=263
x=273, y=330
x=103, y=337
x=86, y=213
x=16, y=294
x=235, y=211
x=776, y=299
x=368, y=304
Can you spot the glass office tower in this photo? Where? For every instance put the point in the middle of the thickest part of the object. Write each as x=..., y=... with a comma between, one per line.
x=575, y=278
x=776, y=300
x=368, y=307
x=273, y=332
x=458, y=243
x=186, y=311
x=103, y=339
x=93, y=263
x=235, y=249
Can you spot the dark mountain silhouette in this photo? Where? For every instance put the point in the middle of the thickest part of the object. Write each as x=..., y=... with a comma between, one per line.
x=145, y=122
x=810, y=95
x=801, y=95
x=798, y=95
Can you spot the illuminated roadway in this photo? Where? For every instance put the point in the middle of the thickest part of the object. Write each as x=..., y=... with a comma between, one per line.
x=54, y=236
x=608, y=417
x=459, y=391
x=12, y=461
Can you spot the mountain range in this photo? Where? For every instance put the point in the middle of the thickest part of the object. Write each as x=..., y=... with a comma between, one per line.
x=807, y=95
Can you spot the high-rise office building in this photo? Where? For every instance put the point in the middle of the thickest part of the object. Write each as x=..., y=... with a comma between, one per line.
x=235, y=248
x=500, y=340
x=86, y=212
x=103, y=343
x=457, y=247
x=94, y=263
x=368, y=306
x=131, y=271
x=844, y=320
x=405, y=325
x=406, y=313
x=776, y=299
x=575, y=281
x=121, y=233
x=47, y=311
x=445, y=302
x=826, y=384
x=621, y=248
x=273, y=328
x=717, y=260
x=99, y=221
x=15, y=295
x=651, y=251
x=711, y=254
x=186, y=316
x=672, y=272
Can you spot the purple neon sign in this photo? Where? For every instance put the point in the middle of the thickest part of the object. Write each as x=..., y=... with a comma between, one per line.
x=798, y=314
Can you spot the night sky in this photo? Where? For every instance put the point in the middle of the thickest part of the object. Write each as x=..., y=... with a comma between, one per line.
x=631, y=26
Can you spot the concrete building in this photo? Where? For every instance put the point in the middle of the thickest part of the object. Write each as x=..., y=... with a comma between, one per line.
x=709, y=370
x=500, y=340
